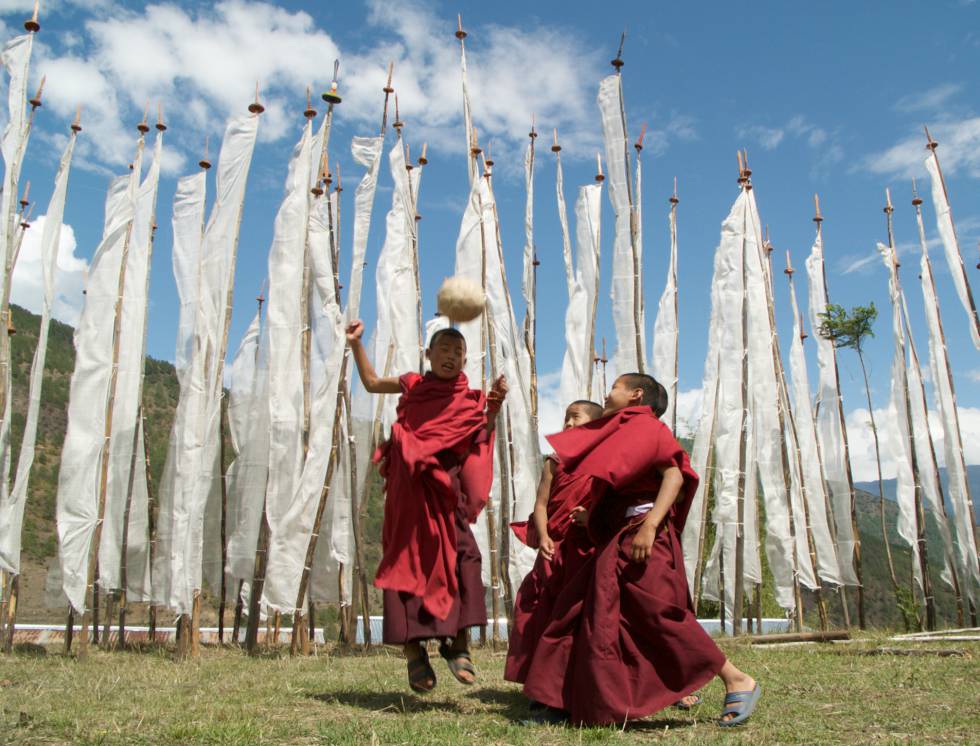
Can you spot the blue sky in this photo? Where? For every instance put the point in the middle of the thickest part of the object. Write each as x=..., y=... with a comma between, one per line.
x=826, y=98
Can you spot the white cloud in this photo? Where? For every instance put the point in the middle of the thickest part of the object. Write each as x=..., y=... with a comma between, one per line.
x=825, y=146
x=974, y=375
x=928, y=100
x=768, y=137
x=959, y=150
x=861, y=440
x=202, y=62
x=70, y=278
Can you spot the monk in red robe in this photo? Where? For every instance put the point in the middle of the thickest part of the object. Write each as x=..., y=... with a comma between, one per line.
x=438, y=468
x=563, y=545
x=623, y=641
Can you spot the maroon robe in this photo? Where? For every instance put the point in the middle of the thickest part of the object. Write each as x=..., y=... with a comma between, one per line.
x=541, y=586
x=438, y=468
x=623, y=641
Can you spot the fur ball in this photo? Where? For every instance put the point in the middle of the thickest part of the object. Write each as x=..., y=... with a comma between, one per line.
x=460, y=299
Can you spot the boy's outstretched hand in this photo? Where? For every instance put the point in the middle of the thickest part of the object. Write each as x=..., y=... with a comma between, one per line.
x=498, y=392
x=355, y=330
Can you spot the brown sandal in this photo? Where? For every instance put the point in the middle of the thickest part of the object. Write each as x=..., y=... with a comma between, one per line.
x=419, y=671
x=458, y=661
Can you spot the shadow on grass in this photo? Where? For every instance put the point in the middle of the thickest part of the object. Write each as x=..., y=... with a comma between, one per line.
x=509, y=703
x=515, y=706
x=403, y=702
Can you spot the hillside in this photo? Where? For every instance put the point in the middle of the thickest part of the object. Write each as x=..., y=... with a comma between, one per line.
x=160, y=399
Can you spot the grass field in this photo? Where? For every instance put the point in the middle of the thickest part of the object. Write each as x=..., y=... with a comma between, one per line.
x=812, y=694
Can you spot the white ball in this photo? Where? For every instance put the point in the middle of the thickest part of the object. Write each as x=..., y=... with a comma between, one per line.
x=461, y=299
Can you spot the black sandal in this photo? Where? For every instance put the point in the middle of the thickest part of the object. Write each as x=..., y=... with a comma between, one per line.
x=419, y=670
x=458, y=661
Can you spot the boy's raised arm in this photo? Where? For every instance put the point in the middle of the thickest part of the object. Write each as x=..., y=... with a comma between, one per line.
x=373, y=383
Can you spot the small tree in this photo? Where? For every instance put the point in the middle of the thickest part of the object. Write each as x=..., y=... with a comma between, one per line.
x=851, y=329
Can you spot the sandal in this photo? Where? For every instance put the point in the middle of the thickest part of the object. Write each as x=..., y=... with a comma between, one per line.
x=741, y=705
x=419, y=671
x=681, y=705
x=458, y=661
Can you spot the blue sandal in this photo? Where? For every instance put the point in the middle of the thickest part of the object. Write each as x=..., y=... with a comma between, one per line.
x=741, y=705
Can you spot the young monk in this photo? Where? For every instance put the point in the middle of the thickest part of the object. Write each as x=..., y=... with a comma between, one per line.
x=438, y=467
x=623, y=641
x=561, y=543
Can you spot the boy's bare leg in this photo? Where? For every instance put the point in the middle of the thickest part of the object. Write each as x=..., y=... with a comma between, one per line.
x=735, y=681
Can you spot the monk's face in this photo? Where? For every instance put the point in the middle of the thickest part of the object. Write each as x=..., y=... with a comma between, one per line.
x=620, y=396
x=576, y=415
x=447, y=356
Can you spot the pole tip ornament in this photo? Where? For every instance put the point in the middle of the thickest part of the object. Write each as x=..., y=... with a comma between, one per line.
x=618, y=61
x=639, y=142
x=555, y=147
x=475, y=148
x=398, y=123
x=460, y=34
x=31, y=25
x=673, y=198
x=423, y=160
x=817, y=217
x=331, y=96
x=204, y=162
x=143, y=127
x=160, y=125
x=256, y=106
x=309, y=112
x=388, y=90
x=36, y=101
x=930, y=143
x=76, y=125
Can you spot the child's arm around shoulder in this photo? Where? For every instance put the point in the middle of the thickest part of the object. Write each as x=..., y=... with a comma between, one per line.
x=373, y=383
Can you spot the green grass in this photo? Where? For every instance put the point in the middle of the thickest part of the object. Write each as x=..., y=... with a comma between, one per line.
x=812, y=694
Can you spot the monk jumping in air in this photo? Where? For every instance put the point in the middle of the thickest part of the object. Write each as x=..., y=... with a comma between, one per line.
x=623, y=641
x=438, y=468
x=563, y=545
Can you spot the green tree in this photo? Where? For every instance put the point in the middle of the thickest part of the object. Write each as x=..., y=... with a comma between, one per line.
x=851, y=329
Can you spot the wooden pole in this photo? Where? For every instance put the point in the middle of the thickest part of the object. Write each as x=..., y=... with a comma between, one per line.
x=300, y=640
x=737, y=600
x=530, y=316
x=862, y=621
x=69, y=629
x=931, y=146
x=10, y=618
x=634, y=220
x=917, y=203
x=920, y=517
x=709, y=474
x=490, y=512
x=123, y=560
x=791, y=418
x=91, y=587
x=672, y=391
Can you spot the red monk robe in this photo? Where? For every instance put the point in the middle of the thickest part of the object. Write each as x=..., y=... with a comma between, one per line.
x=438, y=469
x=624, y=641
x=541, y=586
